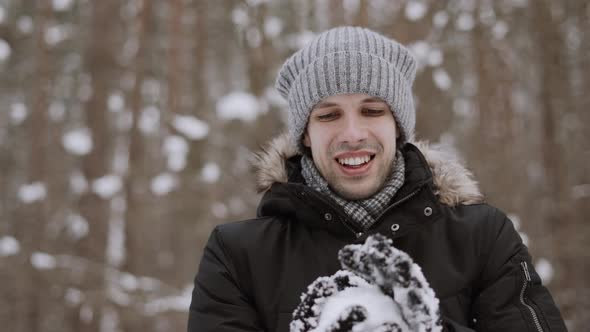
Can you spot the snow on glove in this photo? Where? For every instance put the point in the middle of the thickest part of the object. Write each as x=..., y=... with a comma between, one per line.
x=380, y=290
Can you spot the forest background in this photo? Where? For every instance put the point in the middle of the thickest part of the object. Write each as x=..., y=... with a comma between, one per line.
x=126, y=129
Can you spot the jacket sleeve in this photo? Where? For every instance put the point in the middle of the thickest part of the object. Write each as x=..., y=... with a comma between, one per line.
x=218, y=303
x=509, y=295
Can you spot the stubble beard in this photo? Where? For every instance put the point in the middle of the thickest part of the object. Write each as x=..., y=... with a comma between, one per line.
x=351, y=192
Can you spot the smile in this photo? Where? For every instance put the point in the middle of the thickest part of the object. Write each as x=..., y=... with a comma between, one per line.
x=355, y=161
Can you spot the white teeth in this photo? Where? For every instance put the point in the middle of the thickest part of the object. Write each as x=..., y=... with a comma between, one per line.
x=354, y=161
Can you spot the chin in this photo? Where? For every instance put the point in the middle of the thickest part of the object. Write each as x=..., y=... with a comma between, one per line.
x=355, y=193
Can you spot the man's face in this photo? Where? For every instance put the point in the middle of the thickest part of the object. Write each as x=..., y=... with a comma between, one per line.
x=352, y=140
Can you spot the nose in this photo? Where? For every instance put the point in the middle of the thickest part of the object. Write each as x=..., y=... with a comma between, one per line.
x=353, y=130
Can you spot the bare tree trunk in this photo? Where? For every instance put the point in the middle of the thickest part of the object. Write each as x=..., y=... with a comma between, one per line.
x=134, y=219
x=554, y=95
x=136, y=243
x=31, y=227
x=100, y=63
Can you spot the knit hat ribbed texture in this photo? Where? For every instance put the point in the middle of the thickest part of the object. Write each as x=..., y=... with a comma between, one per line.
x=348, y=60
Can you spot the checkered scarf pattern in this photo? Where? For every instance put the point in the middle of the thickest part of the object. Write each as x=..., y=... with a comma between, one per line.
x=363, y=212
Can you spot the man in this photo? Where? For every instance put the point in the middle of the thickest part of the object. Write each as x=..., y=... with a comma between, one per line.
x=347, y=170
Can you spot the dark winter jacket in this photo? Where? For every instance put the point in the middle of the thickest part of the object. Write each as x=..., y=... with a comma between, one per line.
x=253, y=272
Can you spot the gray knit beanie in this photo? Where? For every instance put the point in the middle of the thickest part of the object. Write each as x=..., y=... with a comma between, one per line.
x=348, y=60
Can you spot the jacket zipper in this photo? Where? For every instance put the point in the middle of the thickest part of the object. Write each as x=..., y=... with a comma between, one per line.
x=522, y=298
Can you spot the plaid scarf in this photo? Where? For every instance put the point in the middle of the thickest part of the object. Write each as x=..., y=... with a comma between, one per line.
x=363, y=212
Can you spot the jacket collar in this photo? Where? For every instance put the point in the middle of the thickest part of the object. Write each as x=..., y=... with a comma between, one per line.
x=453, y=183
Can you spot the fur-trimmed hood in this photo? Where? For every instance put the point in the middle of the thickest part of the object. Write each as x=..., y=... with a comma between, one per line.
x=454, y=183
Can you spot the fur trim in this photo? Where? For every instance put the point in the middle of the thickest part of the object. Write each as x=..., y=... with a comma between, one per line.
x=269, y=163
x=454, y=183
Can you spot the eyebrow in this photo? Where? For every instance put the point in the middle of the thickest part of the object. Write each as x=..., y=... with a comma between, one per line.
x=325, y=104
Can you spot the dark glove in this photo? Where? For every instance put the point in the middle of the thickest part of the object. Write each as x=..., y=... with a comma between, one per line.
x=380, y=290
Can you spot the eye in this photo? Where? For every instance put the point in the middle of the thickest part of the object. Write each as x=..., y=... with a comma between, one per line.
x=327, y=116
x=373, y=111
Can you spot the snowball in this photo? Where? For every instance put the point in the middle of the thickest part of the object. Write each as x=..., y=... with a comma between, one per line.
x=61, y=5
x=415, y=10
x=175, y=148
x=43, y=261
x=210, y=172
x=77, y=141
x=8, y=246
x=32, y=192
x=441, y=79
x=18, y=113
x=238, y=105
x=163, y=184
x=545, y=270
x=5, y=50
x=190, y=126
x=107, y=186
x=380, y=308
